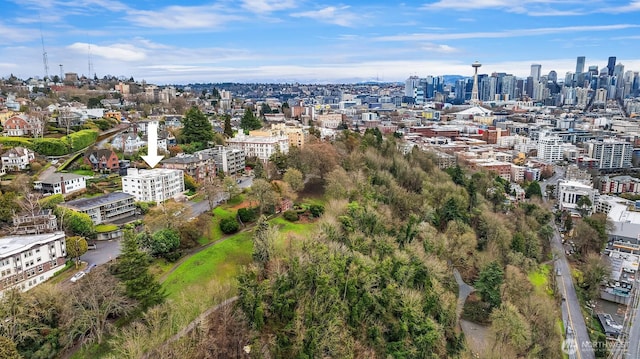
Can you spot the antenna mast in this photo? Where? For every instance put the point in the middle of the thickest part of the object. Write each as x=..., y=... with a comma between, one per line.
x=45, y=60
x=89, y=60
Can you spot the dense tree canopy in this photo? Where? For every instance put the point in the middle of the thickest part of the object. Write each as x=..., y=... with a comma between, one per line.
x=196, y=128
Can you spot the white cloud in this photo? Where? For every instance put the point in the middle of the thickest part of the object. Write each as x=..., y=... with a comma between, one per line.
x=121, y=52
x=267, y=6
x=504, y=34
x=439, y=48
x=12, y=35
x=529, y=7
x=332, y=15
x=632, y=6
x=182, y=17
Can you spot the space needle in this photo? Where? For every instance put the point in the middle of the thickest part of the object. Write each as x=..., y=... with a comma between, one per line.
x=474, y=93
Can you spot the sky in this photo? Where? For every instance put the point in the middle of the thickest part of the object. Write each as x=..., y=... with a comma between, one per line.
x=179, y=42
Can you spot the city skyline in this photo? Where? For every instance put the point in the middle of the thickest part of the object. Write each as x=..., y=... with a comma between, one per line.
x=289, y=41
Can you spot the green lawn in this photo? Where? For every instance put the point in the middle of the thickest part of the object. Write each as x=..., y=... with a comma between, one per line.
x=103, y=228
x=540, y=279
x=83, y=172
x=219, y=263
x=295, y=227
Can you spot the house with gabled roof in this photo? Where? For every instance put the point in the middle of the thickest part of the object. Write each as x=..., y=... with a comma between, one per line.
x=18, y=125
x=101, y=159
x=17, y=159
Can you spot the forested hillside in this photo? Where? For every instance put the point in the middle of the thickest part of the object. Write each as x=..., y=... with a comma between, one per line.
x=375, y=280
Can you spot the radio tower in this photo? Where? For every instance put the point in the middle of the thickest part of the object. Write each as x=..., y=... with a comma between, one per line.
x=45, y=61
x=474, y=93
x=90, y=64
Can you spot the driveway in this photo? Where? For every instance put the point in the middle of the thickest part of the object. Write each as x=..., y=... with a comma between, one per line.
x=104, y=252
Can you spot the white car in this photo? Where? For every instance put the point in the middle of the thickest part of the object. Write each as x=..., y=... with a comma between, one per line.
x=77, y=276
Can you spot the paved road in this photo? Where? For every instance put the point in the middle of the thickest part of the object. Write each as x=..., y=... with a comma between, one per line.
x=572, y=315
x=633, y=340
x=577, y=342
x=105, y=251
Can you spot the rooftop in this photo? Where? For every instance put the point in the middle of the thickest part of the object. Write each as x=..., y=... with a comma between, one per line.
x=85, y=203
x=15, y=244
x=55, y=177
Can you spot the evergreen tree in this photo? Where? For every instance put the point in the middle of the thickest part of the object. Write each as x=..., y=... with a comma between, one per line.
x=197, y=127
x=249, y=121
x=132, y=269
x=228, y=131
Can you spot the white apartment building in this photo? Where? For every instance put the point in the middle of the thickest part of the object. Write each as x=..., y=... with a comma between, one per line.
x=550, y=147
x=156, y=185
x=569, y=192
x=26, y=261
x=259, y=146
x=61, y=183
x=610, y=153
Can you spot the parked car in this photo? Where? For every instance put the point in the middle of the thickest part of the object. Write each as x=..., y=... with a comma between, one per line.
x=76, y=277
x=92, y=246
x=90, y=267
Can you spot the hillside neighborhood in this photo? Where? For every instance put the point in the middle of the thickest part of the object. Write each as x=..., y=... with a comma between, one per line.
x=75, y=186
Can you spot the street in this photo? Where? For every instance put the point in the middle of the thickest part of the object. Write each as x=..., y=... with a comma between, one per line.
x=577, y=340
x=105, y=251
x=571, y=313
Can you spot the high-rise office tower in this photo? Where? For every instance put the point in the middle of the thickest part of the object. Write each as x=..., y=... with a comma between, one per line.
x=618, y=70
x=535, y=71
x=611, y=64
x=553, y=76
x=580, y=64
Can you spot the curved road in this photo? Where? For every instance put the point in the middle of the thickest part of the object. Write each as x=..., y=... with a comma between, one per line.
x=577, y=337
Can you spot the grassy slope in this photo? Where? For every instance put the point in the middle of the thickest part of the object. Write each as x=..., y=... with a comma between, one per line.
x=220, y=262
x=540, y=279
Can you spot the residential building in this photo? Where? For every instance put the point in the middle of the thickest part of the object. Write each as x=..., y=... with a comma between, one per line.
x=199, y=166
x=331, y=120
x=61, y=183
x=229, y=161
x=610, y=153
x=19, y=125
x=106, y=208
x=156, y=185
x=619, y=184
x=26, y=261
x=258, y=146
x=101, y=159
x=128, y=142
x=570, y=192
x=17, y=159
x=295, y=134
x=38, y=223
x=549, y=147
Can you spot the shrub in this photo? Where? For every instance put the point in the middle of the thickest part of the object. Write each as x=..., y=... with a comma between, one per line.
x=290, y=216
x=229, y=225
x=316, y=210
x=248, y=214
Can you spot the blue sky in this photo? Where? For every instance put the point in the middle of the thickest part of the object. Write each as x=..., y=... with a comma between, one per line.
x=307, y=41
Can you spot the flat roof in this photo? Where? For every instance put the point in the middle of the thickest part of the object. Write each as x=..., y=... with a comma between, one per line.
x=15, y=244
x=86, y=203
